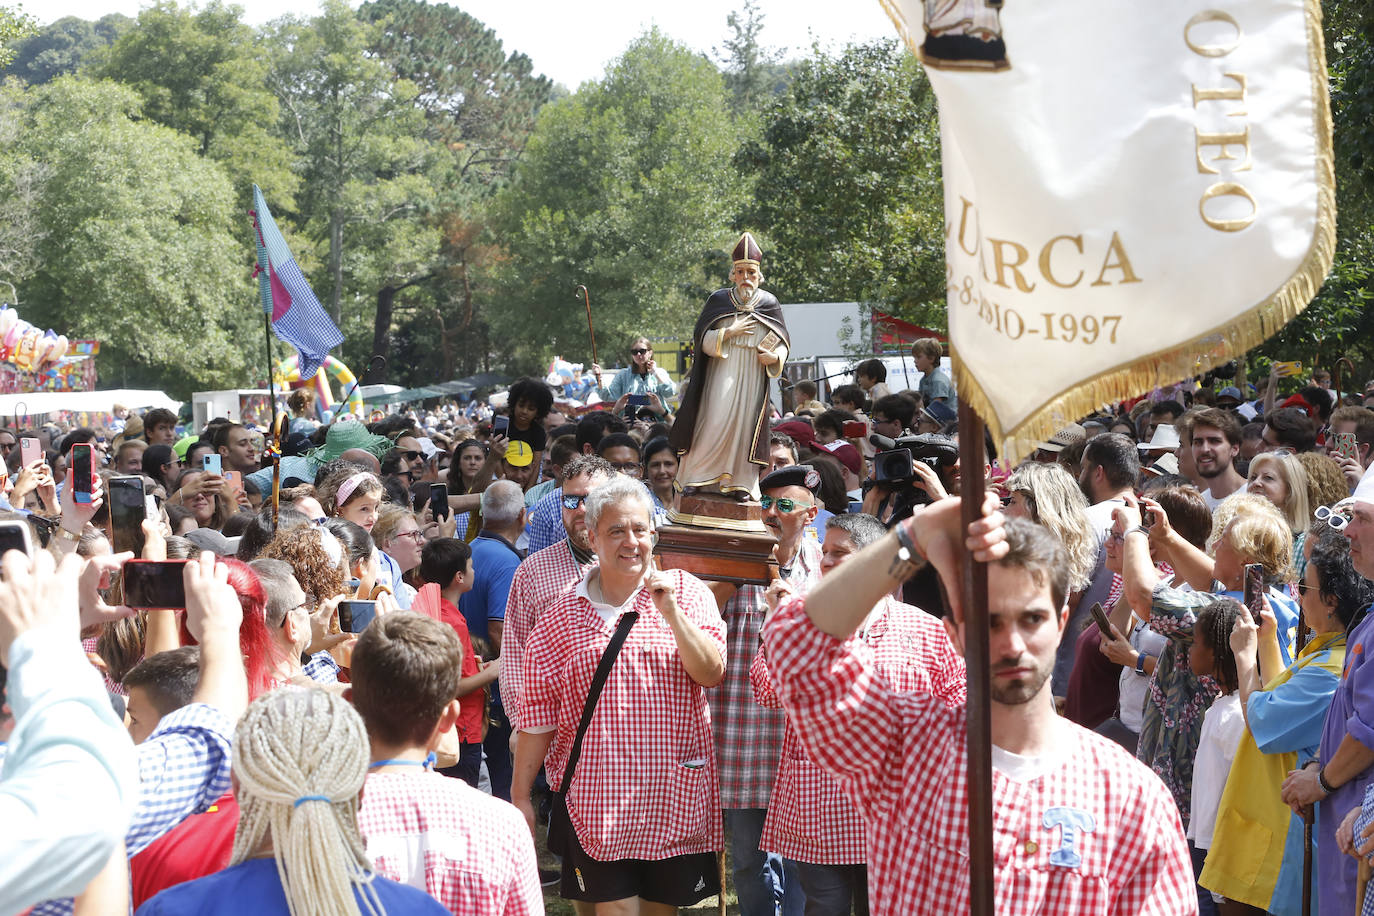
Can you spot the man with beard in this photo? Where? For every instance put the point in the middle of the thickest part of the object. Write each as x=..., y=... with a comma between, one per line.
x=549, y=573
x=1216, y=442
x=749, y=736
x=1079, y=825
x=1110, y=467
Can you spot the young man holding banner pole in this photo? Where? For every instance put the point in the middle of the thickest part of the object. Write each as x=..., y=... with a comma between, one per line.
x=1077, y=825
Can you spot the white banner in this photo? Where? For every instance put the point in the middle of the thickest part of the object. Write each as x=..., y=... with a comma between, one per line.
x=1134, y=192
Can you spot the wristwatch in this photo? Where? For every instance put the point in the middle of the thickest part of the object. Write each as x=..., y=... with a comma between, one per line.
x=1140, y=664
x=909, y=558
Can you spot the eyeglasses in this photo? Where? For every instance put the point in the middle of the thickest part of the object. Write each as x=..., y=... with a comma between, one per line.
x=784, y=504
x=417, y=534
x=640, y=351
x=6, y=446
x=1305, y=587
x=572, y=501
x=627, y=467
x=411, y=455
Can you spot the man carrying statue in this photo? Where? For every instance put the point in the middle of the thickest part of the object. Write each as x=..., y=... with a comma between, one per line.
x=740, y=343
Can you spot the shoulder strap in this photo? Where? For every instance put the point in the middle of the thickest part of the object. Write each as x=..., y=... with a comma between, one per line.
x=603, y=671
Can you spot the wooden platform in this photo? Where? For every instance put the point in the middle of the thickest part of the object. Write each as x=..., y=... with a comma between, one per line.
x=717, y=538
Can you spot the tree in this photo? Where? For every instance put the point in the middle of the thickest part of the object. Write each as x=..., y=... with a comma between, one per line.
x=63, y=46
x=14, y=25
x=479, y=105
x=847, y=190
x=626, y=187
x=752, y=71
x=202, y=72
x=356, y=132
x=136, y=247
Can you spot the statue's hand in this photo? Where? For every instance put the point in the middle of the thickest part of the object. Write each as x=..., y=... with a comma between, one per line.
x=768, y=358
x=739, y=328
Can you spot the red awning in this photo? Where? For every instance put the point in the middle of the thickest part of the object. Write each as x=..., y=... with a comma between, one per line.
x=890, y=330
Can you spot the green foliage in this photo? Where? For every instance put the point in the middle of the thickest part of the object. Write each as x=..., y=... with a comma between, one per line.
x=63, y=46
x=136, y=245
x=201, y=72
x=752, y=71
x=626, y=187
x=848, y=184
x=14, y=24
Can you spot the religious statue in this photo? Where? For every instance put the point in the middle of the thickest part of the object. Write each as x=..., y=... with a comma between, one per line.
x=741, y=343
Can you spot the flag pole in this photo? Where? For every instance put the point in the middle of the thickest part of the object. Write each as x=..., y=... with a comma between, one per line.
x=974, y=589
x=273, y=431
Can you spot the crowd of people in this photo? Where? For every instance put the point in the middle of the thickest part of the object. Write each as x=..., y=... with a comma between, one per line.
x=407, y=654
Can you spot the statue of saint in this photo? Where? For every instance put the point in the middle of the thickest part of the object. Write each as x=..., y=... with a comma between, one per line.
x=740, y=344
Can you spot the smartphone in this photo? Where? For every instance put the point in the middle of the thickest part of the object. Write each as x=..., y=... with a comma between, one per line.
x=1147, y=518
x=438, y=501
x=855, y=429
x=30, y=450
x=354, y=616
x=637, y=400
x=1288, y=369
x=156, y=584
x=1346, y=445
x=235, y=479
x=212, y=464
x=16, y=535
x=128, y=509
x=499, y=425
x=82, y=472
x=1254, y=589
x=1100, y=616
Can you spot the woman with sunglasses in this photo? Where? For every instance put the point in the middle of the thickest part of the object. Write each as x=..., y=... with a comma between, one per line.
x=641, y=377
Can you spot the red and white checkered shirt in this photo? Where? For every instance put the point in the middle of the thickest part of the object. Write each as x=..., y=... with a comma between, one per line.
x=541, y=577
x=1096, y=833
x=749, y=736
x=467, y=850
x=809, y=818
x=645, y=785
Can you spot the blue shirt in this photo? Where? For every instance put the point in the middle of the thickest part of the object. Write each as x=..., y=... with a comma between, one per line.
x=493, y=564
x=546, y=521
x=255, y=887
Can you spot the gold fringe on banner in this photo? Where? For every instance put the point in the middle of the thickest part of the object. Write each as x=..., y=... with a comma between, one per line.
x=1207, y=350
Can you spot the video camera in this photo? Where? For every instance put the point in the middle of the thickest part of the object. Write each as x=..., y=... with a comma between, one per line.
x=894, y=467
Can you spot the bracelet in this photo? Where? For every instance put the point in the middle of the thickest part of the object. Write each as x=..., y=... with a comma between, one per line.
x=1141, y=528
x=1140, y=663
x=66, y=535
x=1321, y=781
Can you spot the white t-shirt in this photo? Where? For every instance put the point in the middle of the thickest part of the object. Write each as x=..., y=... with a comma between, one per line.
x=1134, y=688
x=1022, y=768
x=1211, y=501
x=1222, y=728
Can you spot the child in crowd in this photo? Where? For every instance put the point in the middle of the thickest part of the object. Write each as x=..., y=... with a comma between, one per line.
x=354, y=496
x=1223, y=725
x=447, y=562
x=529, y=402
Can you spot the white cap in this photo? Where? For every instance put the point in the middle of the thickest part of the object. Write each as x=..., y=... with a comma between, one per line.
x=1364, y=490
x=1165, y=437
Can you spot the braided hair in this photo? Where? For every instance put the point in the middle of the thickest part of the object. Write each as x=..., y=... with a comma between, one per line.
x=301, y=756
x=1214, y=624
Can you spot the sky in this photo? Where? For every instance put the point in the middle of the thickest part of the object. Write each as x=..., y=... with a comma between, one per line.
x=573, y=41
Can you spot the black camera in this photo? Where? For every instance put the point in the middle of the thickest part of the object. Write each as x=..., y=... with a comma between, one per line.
x=893, y=467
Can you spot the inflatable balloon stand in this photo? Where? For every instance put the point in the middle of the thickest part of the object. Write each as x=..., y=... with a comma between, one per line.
x=289, y=374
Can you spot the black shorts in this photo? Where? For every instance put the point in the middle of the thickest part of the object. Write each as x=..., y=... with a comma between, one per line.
x=679, y=881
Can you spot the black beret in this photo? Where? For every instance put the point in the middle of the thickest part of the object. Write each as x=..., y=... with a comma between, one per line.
x=794, y=475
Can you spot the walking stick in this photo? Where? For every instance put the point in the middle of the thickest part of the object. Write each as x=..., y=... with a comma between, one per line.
x=591, y=331
x=720, y=869
x=1338, y=377
x=1360, y=885
x=1307, y=862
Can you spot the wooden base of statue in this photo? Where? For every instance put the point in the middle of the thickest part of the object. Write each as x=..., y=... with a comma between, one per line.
x=715, y=537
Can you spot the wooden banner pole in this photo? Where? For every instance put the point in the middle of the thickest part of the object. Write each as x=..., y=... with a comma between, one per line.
x=974, y=590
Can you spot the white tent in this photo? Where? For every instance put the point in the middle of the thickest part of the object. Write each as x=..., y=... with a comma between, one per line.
x=44, y=402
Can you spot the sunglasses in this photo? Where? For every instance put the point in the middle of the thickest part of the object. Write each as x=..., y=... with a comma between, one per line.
x=572, y=502
x=783, y=503
x=411, y=455
x=640, y=351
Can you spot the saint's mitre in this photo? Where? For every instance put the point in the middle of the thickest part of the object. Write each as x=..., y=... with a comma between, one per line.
x=747, y=251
